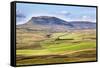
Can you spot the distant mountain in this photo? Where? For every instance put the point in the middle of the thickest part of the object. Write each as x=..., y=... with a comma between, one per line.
x=54, y=24
x=83, y=24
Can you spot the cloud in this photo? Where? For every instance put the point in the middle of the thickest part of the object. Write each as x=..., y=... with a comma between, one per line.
x=65, y=13
x=19, y=14
x=87, y=18
x=82, y=18
x=20, y=17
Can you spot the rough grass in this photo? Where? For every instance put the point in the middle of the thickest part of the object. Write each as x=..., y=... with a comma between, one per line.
x=36, y=48
x=79, y=56
x=58, y=48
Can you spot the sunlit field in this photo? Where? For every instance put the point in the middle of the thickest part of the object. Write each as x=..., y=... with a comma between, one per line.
x=35, y=47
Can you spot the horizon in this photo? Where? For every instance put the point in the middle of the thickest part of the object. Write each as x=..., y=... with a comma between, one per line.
x=59, y=18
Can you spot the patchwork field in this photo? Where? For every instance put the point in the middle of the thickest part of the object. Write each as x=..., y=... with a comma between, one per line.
x=38, y=47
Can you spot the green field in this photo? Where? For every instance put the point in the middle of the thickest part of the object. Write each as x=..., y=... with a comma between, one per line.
x=34, y=47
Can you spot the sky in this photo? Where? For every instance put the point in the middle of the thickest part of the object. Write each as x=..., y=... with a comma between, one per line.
x=24, y=12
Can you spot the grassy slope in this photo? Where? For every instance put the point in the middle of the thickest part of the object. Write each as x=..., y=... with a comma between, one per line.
x=58, y=48
x=83, y=55
x=81, y=41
